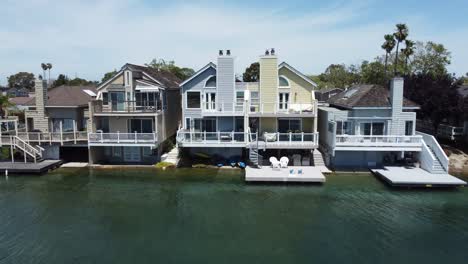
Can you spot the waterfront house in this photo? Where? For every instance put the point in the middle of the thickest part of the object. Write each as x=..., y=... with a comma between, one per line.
x=133, y=113
x=370, y=126
x=276, y=115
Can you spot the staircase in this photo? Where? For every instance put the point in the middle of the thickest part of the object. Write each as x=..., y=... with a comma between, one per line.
x=29, y=151
x=172, y=156
x=437, y=168
x=254, y=156
x=318, y=158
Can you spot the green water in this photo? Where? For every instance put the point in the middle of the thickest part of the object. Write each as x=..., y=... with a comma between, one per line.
x=199, y=216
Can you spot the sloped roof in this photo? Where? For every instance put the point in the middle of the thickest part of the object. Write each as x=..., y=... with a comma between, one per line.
x=20, y=100
x=326, y=90
x=167, y=79
x=209, y=65
x=68, y=96
x=366, y=95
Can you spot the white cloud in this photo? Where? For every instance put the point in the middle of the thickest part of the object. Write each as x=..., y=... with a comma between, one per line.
x=91, y=37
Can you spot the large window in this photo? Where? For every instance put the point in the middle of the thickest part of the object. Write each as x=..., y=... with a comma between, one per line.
x=343, y=128
x=283, y=101
x=148, y=99
x=105, y=98
x=67, y=124
x=141, y=126
x=372, y=129
x=193, y=100
x=289, y=125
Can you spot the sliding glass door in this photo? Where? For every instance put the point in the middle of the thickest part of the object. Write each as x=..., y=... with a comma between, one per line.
x=117, y=101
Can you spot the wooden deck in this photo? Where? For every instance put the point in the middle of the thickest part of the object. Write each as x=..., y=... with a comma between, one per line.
x=416, y=177
x=309, y=174
x=29, y=167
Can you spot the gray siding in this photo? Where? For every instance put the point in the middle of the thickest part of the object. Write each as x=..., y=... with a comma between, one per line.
x=225, y=81
x=197, y=84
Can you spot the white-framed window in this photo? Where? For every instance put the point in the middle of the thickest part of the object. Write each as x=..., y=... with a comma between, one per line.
x=211, y=82
x=193, y=100
x=188, y=124
x=343, y=128
x=105, y=98
x=283, y=82
x=409, y=128
x=286, y=125
x=283, y=100
x=210, y=100
x=372, y=128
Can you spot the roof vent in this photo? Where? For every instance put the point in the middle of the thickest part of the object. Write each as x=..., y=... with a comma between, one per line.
x=267, y=52
x=228, y=52
x=272, y=51
x=220, y=52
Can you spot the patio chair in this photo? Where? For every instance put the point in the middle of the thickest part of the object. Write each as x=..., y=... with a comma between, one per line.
x=284, y=161
x=275, y=164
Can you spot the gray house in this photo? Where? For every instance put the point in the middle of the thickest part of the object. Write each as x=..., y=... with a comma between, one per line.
x=369, y=126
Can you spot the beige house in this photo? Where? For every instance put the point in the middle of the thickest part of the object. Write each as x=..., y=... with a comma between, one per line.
x=133, y=114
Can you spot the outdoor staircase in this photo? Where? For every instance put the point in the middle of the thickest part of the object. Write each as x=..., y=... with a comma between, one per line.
x=172, y=156
x=318, y=158
x=254, y=156
x=29, y=151
x=437, y=167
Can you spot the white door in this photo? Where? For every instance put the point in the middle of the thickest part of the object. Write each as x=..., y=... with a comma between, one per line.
x=132, y=154
x=283, y=101
x=210, y=101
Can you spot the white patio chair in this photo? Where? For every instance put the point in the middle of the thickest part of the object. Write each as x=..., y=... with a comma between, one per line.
x=275, y=164
x=284, y=161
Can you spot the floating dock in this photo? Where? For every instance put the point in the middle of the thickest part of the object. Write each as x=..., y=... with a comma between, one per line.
x=29, y=167
x=416, y=177
x=309, y=174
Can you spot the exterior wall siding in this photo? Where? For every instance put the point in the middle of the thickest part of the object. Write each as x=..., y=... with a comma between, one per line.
x=196, y=85
x=268, y=124
x=300, y=91
x=268, y=82
x=225, y=81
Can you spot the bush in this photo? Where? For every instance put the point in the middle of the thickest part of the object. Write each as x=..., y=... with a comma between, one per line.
x=164, y=165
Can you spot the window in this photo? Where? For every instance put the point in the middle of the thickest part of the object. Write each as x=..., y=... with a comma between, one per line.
x=147, y=152
x=239, y=100
x=193, y=100
x=141, y=126
x=283, y=82
x=67, y=124
x=210, y=101
x=283, y=101
x=187, y=123
x=127, y=78
x=117, y=152
x=254, y=97
x=105, y=125
x=343, y=128
x=211, y=82
x=372, y=129
x=105, y=98
x=289, y=125
x=408, y=128
x=209, y=124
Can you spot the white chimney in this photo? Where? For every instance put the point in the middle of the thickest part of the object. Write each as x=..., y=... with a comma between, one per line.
x=396, y=95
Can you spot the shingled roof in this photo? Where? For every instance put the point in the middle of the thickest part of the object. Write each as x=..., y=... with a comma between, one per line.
x=67, y=96
x=168, y=79
x=366, y=95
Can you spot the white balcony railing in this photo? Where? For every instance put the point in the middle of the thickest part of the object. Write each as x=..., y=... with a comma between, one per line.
x=122, y=138
x=284, y=108
x=204, y=137
x=223, y=108
x=290, y=139
x=378, y=141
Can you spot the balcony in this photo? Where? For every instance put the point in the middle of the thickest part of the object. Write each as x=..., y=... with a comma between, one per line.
x=287, y=140
x=125, y=107
x=122, y=139
x=187, y=138
x=283, y=109
x=223, y=109
x=378, y=143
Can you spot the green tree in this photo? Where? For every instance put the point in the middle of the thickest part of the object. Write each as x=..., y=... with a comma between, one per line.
x=108, y=75
x=61, y=80
x=252, y=73
x=336, y=75
x=21, y=80
x=407, y=52
x=161, y=64
x=388, y=46
x=431, y=58
x=4, y=104
x=64, y=80
x=373, y=73
x=400, y=35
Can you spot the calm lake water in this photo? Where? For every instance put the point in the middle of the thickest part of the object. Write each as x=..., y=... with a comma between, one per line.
x=200, y=216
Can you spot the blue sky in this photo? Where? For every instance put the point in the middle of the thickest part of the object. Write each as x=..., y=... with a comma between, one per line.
x=88, y=38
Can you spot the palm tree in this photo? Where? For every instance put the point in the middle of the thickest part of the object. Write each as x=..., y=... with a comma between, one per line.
x=49, y=66
x=408, y=51
x=4, y=104
x=44, y=69
x=388, y=46
x=400, y=34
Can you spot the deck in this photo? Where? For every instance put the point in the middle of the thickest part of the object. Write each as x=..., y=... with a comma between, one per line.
x=309, y=174
x=416, y=177
x=29, y=167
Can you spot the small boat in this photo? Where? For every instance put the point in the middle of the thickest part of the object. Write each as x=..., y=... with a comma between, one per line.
x=241, y=165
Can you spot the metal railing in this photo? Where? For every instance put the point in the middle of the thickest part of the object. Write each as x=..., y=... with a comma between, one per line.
x=290, y=138
x=122, y=138
x=53, y=137
x=211, y=137
x=16, y=142
x=375, y=141
x=125, y=106
x=284, y=108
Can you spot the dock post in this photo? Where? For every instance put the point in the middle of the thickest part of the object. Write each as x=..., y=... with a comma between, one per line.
x=61, y=134
x=12, y=152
